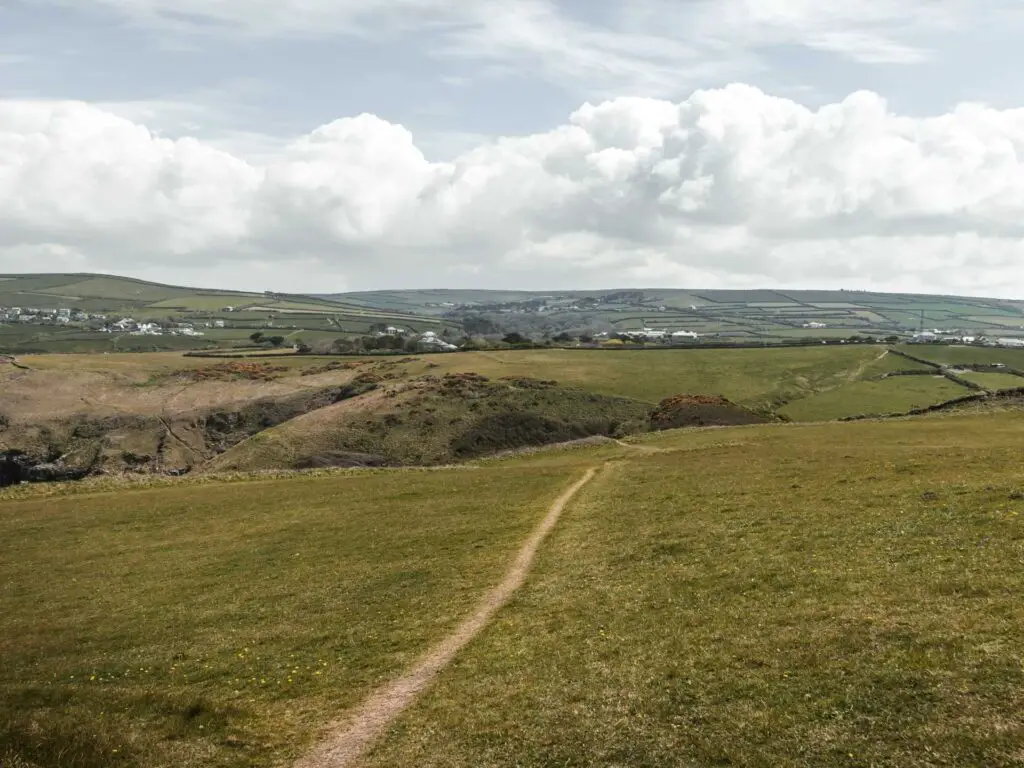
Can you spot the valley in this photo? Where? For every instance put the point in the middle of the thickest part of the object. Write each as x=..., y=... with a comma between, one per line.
x=164, y=413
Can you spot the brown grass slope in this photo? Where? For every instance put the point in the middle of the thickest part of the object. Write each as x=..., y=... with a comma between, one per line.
x=437, y=420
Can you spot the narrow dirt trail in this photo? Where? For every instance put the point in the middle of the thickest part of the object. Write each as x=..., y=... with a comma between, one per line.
x=859, y=370
x=641, y=448
x=352, y=736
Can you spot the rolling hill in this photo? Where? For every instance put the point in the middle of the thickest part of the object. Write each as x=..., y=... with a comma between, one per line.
x=240, y=313
x=742, y=315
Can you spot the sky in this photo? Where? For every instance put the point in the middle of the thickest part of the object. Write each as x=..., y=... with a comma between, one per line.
x=332, y=145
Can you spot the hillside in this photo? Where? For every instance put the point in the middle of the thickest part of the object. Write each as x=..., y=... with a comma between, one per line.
x=29, y=321
x=739, y=315
x=164, y=413
x=193, y=318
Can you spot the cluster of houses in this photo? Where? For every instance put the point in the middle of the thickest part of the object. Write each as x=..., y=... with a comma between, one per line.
x=130, y=326
x=38, y=316
x=101, y=322
x=428, y=341
x=937, y=336
x=650, y=334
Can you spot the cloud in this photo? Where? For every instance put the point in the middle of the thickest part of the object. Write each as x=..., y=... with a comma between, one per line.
x=598, y=48
x=727, y=187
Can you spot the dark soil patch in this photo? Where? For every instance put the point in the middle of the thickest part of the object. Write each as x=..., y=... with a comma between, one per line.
x=510, y=430
x=340, y=459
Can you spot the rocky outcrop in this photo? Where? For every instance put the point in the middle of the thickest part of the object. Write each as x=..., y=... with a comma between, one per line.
x=18, y=467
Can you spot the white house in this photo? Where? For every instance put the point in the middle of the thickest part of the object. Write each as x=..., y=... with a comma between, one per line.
x=430, y=341
x=679, y=335
x=814, y=324
x=1010, y=342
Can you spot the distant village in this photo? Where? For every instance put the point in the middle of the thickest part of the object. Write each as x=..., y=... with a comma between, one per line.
x=101, y=322
x=955, y=336
x=430, y=341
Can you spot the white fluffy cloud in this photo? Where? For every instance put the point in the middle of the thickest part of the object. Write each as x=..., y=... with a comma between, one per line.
x=729, y=187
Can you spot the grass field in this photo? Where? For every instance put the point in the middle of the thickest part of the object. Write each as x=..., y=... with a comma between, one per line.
x=891, y=363
x=751, y=377
x=953, y=355
x=994, y=382
x=221, y=624
x=788, y=595
x=835, y=595
x=892, y=396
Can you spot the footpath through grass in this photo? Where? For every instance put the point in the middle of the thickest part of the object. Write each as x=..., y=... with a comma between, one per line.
x=827, y=595
x=223, y=624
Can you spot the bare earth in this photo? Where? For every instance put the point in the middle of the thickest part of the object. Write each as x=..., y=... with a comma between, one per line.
x=349, y=738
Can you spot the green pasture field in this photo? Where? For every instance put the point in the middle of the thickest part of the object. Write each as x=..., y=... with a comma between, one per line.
x=751, y=377
x=892, y=363
x=994, y=382
x=893, y=396
x=961, y=355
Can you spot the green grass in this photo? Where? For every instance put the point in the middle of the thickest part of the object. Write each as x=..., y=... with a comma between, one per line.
x=891, y=363
x=788, y=595
x=829, y=595
x=200, y=302
x=994, y=382
x=751, y=377
x=955, y=355
x=222, y=624
x=892, y=396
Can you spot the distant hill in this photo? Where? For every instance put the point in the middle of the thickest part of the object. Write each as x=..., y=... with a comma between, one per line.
x=111, y=293
x=226, y=317
x=752, y=315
